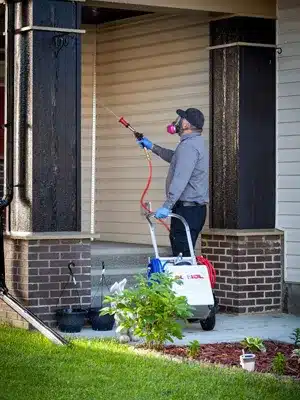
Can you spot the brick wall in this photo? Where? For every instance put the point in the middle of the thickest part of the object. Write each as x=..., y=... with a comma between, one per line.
x=249, y=270
x=37, y=271
x=16, y=267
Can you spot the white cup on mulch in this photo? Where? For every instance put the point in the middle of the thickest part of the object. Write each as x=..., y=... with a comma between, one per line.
x=247, y=362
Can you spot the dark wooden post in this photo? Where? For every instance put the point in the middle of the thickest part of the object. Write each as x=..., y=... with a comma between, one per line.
x=47, y=112
x=243, y=123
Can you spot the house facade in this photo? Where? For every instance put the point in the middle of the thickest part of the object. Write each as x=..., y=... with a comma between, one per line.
x=288, y=138
x=81, y=174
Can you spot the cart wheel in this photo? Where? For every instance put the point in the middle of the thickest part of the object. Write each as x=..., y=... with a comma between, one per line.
x=209, y=323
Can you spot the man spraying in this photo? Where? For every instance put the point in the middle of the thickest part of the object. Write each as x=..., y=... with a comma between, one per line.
x=187, y=179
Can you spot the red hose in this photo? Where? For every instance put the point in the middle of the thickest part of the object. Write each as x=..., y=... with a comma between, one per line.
x=149, y=180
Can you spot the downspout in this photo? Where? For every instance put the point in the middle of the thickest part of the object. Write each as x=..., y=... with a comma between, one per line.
x=9, y=125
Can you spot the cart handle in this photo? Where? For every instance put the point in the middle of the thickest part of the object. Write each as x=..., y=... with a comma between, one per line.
x=187, y=230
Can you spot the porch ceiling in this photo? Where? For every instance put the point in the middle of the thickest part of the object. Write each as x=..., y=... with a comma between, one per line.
x=260, y=8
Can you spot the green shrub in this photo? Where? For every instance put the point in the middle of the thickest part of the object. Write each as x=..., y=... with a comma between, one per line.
x=193, y=349
x=296, y=337
x=253, y=344
x=279, y=364
x=151, y=309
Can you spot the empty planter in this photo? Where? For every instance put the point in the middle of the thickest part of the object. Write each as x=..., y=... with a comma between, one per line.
x=100, y=322
x=70, y=319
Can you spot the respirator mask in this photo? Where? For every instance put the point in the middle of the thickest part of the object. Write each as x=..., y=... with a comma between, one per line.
x=175, y=126
x=193, y=116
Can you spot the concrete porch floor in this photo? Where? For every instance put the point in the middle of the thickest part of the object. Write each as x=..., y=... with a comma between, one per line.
x=229, y=328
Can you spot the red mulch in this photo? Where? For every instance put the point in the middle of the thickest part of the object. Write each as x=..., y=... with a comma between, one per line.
x=229, y=354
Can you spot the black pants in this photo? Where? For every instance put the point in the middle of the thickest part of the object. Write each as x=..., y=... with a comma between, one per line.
x=195, y=217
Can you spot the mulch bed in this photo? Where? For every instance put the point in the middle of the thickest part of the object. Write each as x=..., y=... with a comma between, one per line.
x=229, y=354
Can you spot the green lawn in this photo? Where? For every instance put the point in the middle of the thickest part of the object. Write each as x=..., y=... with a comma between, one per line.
x=33, y=368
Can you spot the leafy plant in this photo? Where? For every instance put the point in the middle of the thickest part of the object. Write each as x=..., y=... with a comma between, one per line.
x=193, y=349
x=296, y=354
x=296, y=337
x=279, y=364
x=151, y=309
x=253, y=344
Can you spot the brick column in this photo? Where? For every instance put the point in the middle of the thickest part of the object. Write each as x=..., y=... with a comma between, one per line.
x=249, y=269
x=37, y=269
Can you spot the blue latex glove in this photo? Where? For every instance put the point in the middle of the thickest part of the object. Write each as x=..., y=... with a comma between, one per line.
x=145, y=143
x=162, y=212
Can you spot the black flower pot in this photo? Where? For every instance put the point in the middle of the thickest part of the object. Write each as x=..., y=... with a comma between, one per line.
x=100, y=322
x=70, y=319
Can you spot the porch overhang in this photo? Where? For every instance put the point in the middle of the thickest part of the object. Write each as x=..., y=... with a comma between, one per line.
x=255, y=8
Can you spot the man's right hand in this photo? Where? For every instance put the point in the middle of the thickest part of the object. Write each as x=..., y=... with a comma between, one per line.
x=145, y=143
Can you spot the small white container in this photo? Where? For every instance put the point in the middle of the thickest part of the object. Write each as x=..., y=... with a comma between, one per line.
x=247, y=362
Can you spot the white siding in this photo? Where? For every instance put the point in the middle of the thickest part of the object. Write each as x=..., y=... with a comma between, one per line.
x=288, y=135
x=88, y=54
x=146, y=68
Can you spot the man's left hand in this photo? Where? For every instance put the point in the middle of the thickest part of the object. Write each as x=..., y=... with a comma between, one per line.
x=162, y=212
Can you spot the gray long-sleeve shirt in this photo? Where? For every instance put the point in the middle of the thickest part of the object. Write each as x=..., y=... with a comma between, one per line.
x=188, y=174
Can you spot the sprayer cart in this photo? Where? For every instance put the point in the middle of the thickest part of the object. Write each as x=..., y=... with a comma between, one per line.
x=195, y=277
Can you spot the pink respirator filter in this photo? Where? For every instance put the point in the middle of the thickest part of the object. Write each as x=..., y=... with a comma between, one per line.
x=171, y=129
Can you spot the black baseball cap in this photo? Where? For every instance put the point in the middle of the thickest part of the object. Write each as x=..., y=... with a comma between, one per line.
x=193, y=116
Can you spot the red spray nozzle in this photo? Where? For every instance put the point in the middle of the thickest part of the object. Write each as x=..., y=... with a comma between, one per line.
x=124, y=122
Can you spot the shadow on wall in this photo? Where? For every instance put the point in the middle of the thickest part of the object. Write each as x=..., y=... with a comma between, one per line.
x=292, y=298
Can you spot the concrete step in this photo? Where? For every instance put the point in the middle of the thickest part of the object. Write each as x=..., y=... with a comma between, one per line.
x=101, y=247
x=113, y=261
x=121, y=261
x=122, y=254
x=117, y=274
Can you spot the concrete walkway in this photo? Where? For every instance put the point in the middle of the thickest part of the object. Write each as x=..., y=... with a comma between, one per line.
x=229, y=328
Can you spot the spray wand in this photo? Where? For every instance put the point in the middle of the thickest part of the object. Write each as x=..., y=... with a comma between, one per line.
x=123, y=121
x=139, y=136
